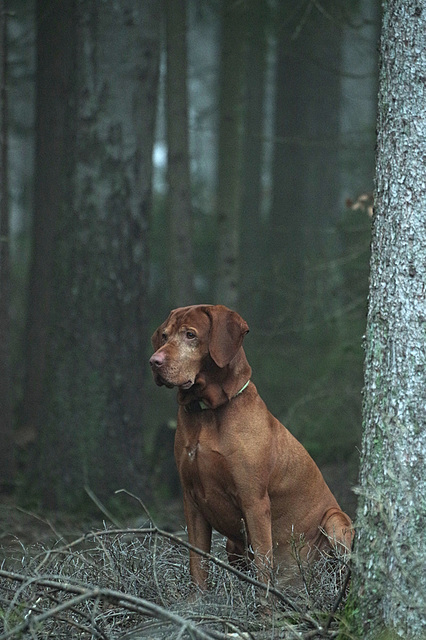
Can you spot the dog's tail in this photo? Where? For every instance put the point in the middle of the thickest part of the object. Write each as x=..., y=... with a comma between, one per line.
x=337, y=529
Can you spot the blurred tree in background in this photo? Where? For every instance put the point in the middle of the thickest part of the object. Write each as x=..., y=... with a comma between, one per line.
x=227, y=169
x=7, y=457
x=55, y=54
x=230, y=132
x=179, y=208
x=84, y=393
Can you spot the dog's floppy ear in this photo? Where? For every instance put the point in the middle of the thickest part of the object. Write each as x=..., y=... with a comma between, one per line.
x=226, y=334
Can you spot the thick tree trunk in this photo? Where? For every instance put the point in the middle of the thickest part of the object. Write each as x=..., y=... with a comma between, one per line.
x=178, y=171
x=54, y=85
x=7, y=460
x=95, y=393
x=229, y=151
x=390, y=580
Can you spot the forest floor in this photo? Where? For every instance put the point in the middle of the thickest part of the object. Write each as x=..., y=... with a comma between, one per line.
x=61, y=577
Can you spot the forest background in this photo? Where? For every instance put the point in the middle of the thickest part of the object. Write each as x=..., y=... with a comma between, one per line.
x=162, y=154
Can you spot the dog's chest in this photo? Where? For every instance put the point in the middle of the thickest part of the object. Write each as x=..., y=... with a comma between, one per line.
x=201, y=461
x=210, y=486
x=206, y=474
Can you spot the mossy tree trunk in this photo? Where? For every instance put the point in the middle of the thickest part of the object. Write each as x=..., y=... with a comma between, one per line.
x=93, y=411
x=390, y=558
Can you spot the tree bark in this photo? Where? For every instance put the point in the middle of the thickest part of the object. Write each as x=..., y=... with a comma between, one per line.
x=7, y=459
x=54, y=85
x=229, y=151
x=178, y=170
x=390, y=577
x=94, y=391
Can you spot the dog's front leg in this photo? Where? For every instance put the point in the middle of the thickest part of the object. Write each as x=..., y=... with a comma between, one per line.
x=200, y=536
x=258, y=523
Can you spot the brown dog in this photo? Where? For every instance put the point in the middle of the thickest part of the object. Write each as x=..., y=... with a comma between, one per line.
x=242, y=472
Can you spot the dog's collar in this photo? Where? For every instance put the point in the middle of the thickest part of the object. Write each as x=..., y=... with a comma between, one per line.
x=199, y=405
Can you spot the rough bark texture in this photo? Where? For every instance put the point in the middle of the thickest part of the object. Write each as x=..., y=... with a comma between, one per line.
x=97, y=345
x=178, y=174
x=390, y=580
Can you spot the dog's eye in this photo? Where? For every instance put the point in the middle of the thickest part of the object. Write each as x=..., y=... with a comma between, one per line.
x=164, y=337
x=190, y=335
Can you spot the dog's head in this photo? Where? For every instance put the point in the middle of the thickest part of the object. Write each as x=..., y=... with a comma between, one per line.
x=191, y=340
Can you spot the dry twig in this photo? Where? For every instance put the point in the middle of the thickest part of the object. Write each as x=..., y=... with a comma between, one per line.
x=134, y=583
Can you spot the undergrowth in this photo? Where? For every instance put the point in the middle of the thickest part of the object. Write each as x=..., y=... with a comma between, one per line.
x=134, y=583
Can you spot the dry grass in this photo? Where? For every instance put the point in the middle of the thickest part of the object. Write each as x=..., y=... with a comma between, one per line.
x=134, y=583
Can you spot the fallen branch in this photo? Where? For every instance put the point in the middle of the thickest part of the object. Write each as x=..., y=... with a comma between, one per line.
x=70, y=585
x=117, y=598
x=155, y=531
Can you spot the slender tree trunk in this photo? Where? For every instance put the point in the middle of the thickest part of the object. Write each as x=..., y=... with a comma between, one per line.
x=288, y=172
x=178, y=170
x=359, y=87
x=229, y=151
x=7, y=460
x=305, y=165
x=54, y=85
x=252, y=161
x=390, y=579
